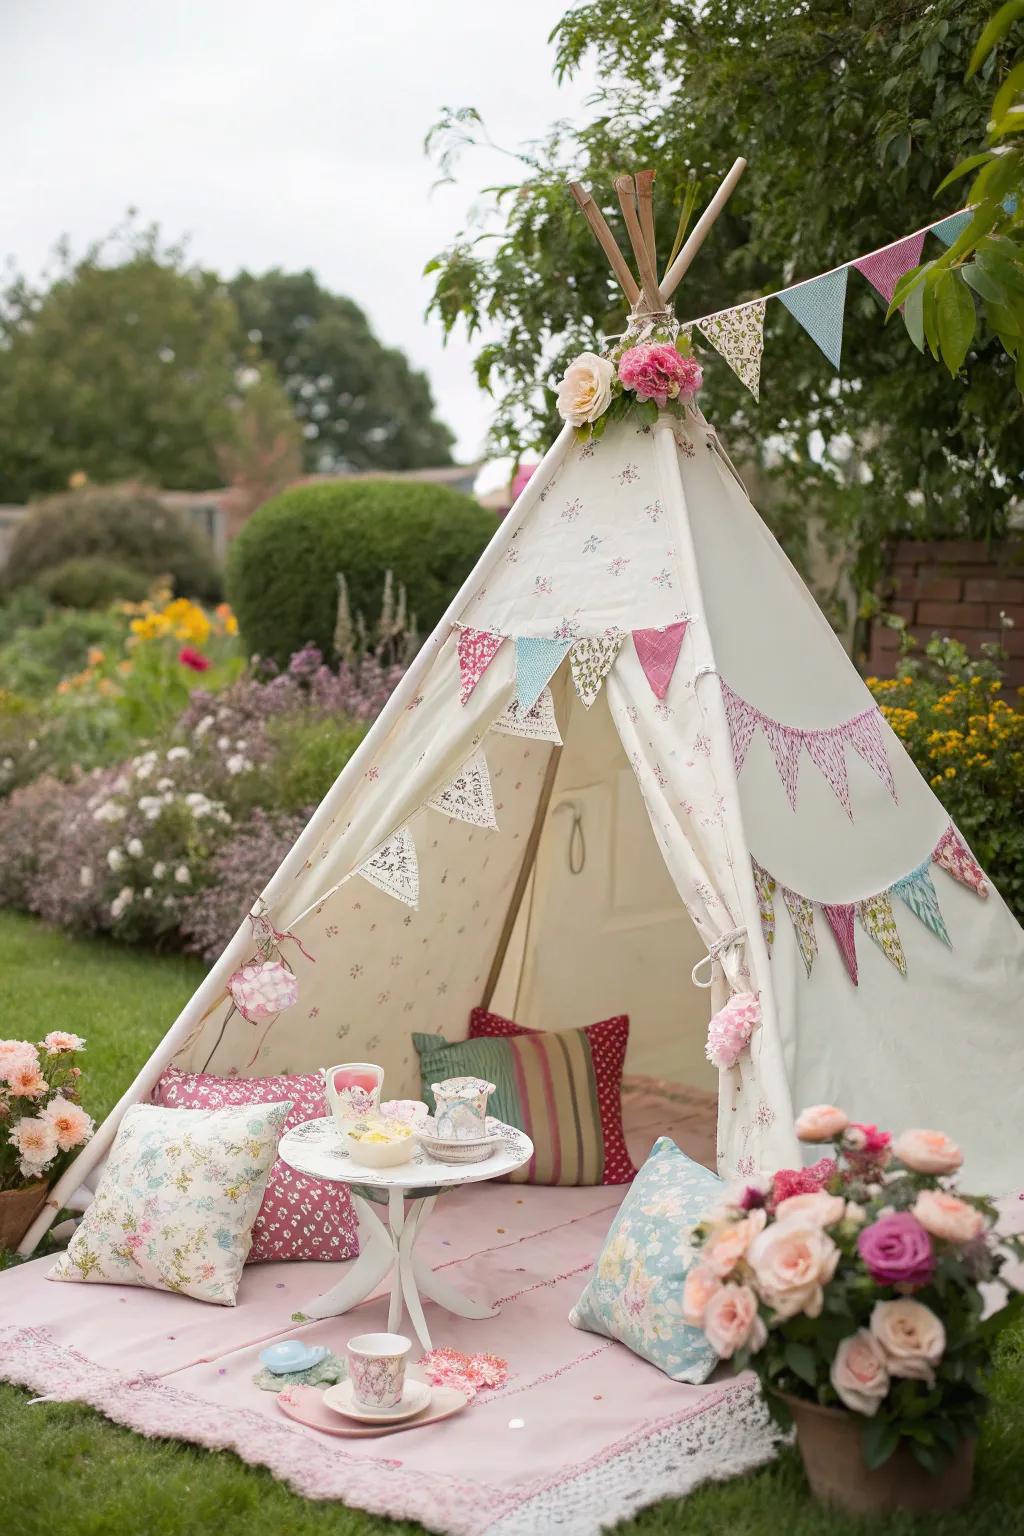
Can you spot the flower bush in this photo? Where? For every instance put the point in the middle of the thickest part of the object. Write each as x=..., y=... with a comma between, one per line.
x=949, y=711
x=41, y=1120
x=856, y=1284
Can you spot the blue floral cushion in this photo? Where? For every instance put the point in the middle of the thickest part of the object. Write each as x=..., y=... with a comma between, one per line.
x=635, y=1290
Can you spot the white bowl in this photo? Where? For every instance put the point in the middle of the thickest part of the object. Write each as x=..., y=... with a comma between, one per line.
x=380, y=1154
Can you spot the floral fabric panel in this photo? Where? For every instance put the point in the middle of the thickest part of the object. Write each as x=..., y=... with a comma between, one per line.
x=953, y=855
x=393, y=868
x=176, y=1204
x=879, y=923
x=738, y=334
x=764, y=885
x=635, y=1290
x=476, y=650
x=591, y=661
x=802, y=913
x=468, y=797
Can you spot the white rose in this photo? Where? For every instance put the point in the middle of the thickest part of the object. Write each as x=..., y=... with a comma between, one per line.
x=134, y=846
x=178, y=754
x=585, y=391
x=159, y=869
x=182, y=875
x=792, y=1262
x=115, y=858
x=911, y=1337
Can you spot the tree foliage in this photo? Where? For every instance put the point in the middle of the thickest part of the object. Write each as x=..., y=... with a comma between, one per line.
x=850, y=113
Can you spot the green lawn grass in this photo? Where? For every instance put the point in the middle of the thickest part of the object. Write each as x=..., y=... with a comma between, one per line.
x=65, y=1469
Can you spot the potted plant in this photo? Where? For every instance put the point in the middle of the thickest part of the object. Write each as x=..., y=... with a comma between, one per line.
x=853, y=1289
x=41, y=1124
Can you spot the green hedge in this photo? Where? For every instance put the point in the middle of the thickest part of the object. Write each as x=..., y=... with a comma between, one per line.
x=282, y=568
x=93, y=582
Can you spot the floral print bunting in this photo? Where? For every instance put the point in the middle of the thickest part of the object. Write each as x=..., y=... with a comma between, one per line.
x=764, y=885
x=394, y=868
x=801, y=912
x=468, y=797
x=476, y=649
x=879, y=922
x=591, y=660
x=738, y=334
x=954, y=856
x=839, y=916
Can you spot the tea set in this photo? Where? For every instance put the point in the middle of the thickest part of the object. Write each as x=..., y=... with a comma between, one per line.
x=377, y=1391
x=384, y=1135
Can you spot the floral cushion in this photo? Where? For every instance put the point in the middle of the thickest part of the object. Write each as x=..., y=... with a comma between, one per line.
x=300, y=1218
x=176, y=1203
x=635, y=1290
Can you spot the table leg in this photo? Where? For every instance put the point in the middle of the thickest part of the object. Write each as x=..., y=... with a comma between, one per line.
x=396, y=1221
x=377, y=1256
x=425, y=1282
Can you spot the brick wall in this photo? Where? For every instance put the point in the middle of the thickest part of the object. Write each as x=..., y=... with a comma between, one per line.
x=956, y=588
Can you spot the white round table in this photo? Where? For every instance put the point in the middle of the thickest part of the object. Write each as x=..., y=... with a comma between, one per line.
x=318, y=1150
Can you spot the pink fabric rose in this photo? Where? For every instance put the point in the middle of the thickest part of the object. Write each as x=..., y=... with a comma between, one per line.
x=731, y=1321
x=911, y=1337
x=928, y=1152
x=731, y=1028
x=821, y=1122
x=792, y=1261
x=656, y=371
x=819, y=1207
x=859, y=1373
x=897, y=1250
x=700, y=1285
x=946, y=1217
x=727, y=1245
x=801, y=1181
x=262, y=990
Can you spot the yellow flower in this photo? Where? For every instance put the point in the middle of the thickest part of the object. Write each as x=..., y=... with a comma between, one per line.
x=950, y=773
x=975, y=682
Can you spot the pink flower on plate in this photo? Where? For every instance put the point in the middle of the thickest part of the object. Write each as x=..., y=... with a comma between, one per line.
x=59, y=1040
x=731, y=1028
x=656, y=371
x=264, y=989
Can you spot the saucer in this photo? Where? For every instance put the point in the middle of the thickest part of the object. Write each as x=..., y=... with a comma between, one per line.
x=415, y=1398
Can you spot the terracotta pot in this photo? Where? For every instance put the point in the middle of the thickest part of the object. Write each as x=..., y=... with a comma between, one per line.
x=18, y=1210
x=830, y=1447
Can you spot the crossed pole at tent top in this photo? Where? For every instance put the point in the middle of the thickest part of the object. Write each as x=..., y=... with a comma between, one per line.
x=636, y=199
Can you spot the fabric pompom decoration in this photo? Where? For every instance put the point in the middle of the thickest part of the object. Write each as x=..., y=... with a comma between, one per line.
x=263, y=989
x=731, y=1028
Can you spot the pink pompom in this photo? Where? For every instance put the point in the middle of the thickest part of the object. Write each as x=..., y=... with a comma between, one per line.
x=656, y=371
x=263, y=990
x=731, y=1028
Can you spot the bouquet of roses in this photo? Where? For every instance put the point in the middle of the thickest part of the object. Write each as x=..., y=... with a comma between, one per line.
x=41, y=1120
x=855, y=1283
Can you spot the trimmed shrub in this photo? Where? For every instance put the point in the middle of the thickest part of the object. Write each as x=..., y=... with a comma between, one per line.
x=283, y=567
x=35, y=660
x=92, y=582
x=123, y=524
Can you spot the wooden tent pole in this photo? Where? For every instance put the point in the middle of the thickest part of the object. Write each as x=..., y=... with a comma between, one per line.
x=670, y=282
x=606, y=240
x=626, y=192
x=523, y=878
x=645, y=205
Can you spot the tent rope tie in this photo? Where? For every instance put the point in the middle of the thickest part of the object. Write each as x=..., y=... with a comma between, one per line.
x=734, y=936
x=577, y=850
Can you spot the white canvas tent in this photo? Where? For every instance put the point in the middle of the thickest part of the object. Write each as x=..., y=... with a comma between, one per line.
x=760, y=812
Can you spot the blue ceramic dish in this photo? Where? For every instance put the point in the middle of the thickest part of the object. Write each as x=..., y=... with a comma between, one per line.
x=292, y=1355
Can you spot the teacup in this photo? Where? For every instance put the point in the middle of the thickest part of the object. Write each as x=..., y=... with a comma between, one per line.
x=353, y=1090
x=376, y=1368
x=461, y=1112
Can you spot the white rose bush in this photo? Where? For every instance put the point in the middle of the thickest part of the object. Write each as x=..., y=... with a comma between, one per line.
x=856, y=1284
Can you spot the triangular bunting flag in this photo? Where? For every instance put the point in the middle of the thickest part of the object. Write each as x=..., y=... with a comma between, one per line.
x=864, y=733
x=953, y=855
x=785, y=745
x=840, y=920
x=658, y=650
x=818, y=305
x=477, y=649
x=876, y=914
x=952, y=228
x=468, y=797
x=738, y=334
x=802, y=913
x=825, y=750
x=538, y=723
x=536, y=663
x=764, y=885
x=742, y=720
x=393, y=868
x=918, y=891
x=883, y=269
x=591, y=660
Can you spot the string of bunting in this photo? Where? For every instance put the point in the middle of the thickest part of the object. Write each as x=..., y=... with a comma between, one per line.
x=875, y=913
x=591, y=658
x=818, y=304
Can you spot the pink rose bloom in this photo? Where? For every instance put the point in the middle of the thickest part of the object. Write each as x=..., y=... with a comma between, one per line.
x=822, y=1122
x=820, y=1207
x=928, y=1152
x=731, y=1028
x=946, y=1217
x=731, y=1321
x=72, y=1126
x=802, y=1181
x=866, y=1147
x=792, y=1262
x=859, y=1373
x=656, y=371
x=701, y=1284
x=897, y=1250
x=726, y=1246
x=60, y=1040
x=911, y=1337
x=26, y=1081
x=15, y=1056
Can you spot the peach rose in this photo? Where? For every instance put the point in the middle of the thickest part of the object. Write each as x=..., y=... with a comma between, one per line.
x=927, y=1152
x=859, y=1373
x=731, y=1321
x=943, y=1215
x=792, y=1260
x=701, y=1284
x=912, y=1338
x=819, y=1207
x=724, y=1249
x=822, y=1122
x=72, y=1126
x=585, y=391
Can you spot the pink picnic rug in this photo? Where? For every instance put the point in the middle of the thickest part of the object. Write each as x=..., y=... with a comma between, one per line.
x=583, y=1433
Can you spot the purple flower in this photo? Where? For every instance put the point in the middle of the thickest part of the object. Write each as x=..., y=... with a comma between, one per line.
x=897, y=1250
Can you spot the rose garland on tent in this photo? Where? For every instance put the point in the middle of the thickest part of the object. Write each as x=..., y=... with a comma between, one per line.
x=637, y=378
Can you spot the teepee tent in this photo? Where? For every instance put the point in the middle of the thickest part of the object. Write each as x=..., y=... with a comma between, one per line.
x=633, y=755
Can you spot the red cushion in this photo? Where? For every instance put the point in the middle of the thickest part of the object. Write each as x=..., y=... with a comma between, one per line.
x=607, y=1041
x=300, y=1218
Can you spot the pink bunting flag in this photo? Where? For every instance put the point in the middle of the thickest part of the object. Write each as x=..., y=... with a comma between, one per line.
x=840, y=920
x=477, y=649
x=883, y=269
x=826, y=751
x=864, y=733
x=953, y=855
x=658, y=650
x=742, y=719
x=785, y=744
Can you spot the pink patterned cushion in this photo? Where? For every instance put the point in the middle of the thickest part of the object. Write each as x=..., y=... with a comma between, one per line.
x=300, y=1218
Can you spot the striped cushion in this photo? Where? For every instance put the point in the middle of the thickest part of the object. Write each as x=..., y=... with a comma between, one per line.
x=564, y=1089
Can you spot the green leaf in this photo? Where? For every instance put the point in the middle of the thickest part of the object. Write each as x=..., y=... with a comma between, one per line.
x=984, y=283
x=994, y=32
x=802, y=1361
x=931, y=323
x=970, y=164
x=913, y=317
x=879, y=1438
x=1008, y=92
x=957, y=319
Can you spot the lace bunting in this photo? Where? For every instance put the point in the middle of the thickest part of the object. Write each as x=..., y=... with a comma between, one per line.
x=468, y=797
x=538, y=723
x=394, y=868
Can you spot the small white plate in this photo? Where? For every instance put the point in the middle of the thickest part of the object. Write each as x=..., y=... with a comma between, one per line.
x=415, y=1398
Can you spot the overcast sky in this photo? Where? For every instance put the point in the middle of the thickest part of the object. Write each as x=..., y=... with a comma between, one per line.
x=273, y=134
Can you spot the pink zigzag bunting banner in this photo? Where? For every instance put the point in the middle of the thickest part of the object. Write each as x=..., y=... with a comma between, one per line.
x=477, y=648
x=658, y=650
x=883, y=269
x=839, y=916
